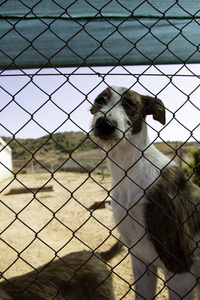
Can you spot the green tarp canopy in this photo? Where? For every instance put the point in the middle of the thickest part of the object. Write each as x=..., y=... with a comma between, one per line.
x=58, y=33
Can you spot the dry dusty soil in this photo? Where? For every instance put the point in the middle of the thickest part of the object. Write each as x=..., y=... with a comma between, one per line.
x=35, y=227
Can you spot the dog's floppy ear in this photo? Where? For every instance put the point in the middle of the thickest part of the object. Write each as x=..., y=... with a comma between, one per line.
x=155, y=107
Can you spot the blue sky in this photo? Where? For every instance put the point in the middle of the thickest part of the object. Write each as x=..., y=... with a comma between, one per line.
x=54, y=102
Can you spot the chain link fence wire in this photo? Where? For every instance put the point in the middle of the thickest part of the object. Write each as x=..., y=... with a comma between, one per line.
x=56, y=193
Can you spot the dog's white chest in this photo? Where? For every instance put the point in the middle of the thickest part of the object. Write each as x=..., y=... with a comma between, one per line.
x=130, y=181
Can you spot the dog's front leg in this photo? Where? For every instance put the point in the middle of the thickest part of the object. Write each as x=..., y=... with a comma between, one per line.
x=145, y=279
x=181, y=286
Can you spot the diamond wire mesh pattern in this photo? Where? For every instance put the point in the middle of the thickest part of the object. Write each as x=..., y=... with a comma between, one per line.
x=37, y=227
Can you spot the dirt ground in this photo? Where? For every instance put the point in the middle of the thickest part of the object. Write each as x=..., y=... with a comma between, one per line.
x=33, y=229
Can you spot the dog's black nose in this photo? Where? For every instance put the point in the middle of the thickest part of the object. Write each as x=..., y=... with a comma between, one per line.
x=104, y=127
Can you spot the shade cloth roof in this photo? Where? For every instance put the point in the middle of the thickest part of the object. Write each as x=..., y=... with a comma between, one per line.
x=47, y=33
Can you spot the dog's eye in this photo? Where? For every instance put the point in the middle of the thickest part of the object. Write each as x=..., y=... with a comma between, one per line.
x=101, y=101
x=128, y=104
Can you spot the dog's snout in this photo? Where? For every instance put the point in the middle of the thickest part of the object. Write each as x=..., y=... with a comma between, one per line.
x=105, y=127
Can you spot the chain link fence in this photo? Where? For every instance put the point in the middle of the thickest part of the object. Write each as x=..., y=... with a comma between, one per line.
x=55, y=58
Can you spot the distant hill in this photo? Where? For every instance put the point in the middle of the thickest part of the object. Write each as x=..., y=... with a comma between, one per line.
x=58, y=144
x=54, y=150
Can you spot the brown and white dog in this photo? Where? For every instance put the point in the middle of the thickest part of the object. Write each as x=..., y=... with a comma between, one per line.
x=156, y=208
x=78, y=275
